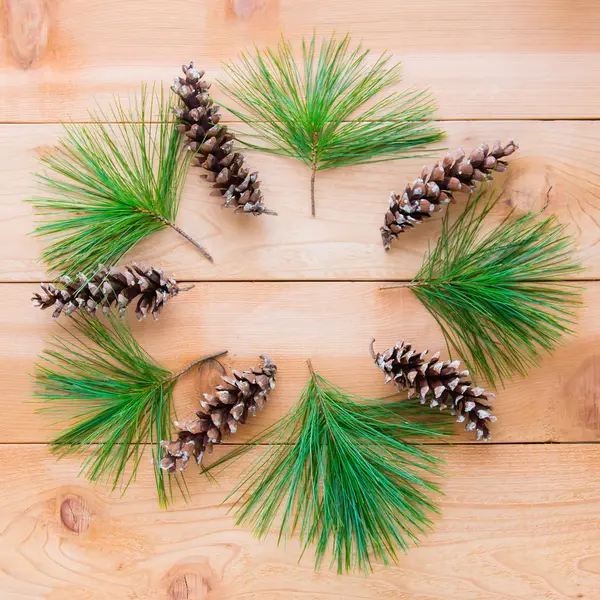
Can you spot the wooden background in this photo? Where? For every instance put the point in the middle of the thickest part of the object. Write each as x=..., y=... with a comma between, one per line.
x=520, y=514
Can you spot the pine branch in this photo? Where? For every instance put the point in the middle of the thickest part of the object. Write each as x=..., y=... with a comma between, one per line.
x=114, y=396
x=320, y=111
x=110, y=185
x=498, y=296
x=345, y=474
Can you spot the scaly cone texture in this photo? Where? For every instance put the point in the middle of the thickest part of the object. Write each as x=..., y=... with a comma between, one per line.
x=431, y=191
x=213, y=145
x=109, y=288
x=239, y=395
x=439, y=382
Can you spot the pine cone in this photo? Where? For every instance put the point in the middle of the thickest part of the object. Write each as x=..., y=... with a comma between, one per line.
x=213, y=145
x=442, y=383
x=430, y=192
x=240, y=395
x=109, y=288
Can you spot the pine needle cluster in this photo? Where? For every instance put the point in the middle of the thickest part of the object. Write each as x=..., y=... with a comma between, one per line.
x=499, y=296
x=345, y=474
x=114, y=397
x=111, y=183
x=323, y=111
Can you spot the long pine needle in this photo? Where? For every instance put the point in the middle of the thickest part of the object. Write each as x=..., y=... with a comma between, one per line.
x=322, y=110
x=499, y=296
x=112, y=396
x=345, y=474
x=111, y=183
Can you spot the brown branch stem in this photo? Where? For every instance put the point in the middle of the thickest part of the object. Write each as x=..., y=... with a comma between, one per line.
x=408, y=284
x=193, y=364
x=180, y=231
x=315, y=381
x=310, y=368
x=187, y=237
x=313, y=208
x=372, y=349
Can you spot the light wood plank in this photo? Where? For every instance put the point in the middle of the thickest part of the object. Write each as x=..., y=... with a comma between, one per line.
x=518, y=522
x=556, y=162
x=331, y=323
x=531, y=62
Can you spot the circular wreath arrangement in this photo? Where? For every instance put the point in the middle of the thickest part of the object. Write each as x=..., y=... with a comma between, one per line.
x=349, y=475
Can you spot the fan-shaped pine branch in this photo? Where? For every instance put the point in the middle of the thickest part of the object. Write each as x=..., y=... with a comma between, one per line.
x=344, y=473
x=498, y=296
x=110, y=185
x=320, y=111
x=114, y=396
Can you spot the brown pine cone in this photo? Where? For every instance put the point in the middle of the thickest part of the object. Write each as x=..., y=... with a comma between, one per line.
x=441, y=383
x=109, y=288
x=213, y=145
x=431, y=191
x=240, y=395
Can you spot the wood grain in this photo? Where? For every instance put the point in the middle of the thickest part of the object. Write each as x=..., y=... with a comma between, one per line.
x=516, y=60
x=556, y=163
x=331, y=323
x=520, y=518
x=519, y=522
x=27, y=30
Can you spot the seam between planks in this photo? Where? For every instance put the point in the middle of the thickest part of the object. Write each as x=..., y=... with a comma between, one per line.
x=274, y=280
x=436, y=444
x=444, y=120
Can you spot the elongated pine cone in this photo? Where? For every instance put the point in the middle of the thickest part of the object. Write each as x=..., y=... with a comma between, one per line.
x=441, y=383
x=431, y=191
x=238, y=396
x=107, y=289
x=199, y=121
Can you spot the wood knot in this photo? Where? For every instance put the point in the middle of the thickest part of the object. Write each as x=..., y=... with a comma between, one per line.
x=532, y=185
x=75, y=514
x=244, y=9
x=27, y=30
x=44, y=150
x=582, y=392
x=209, y=376
x=188, y=586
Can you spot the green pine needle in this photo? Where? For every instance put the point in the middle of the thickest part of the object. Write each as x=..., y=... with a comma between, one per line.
x=498, y=296
x=315, y=111
x=113, y=394
x=342, y=472
x=110, y=185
